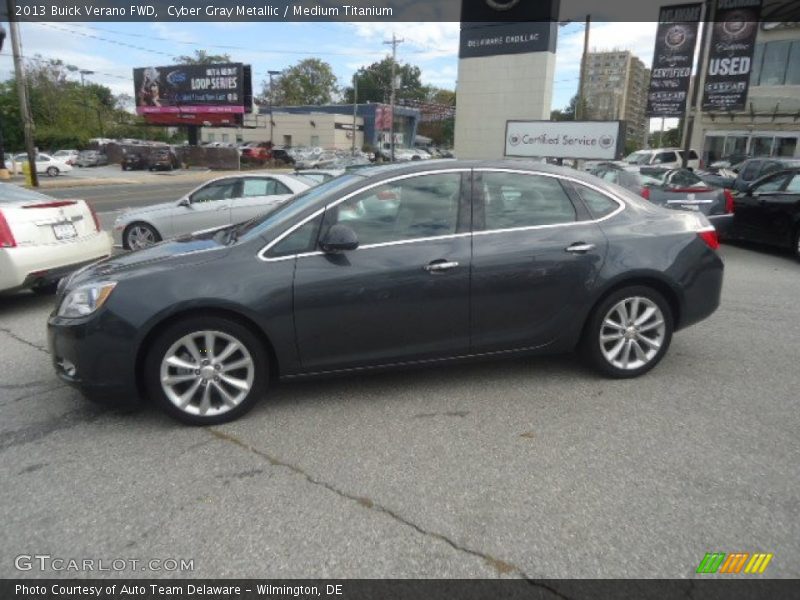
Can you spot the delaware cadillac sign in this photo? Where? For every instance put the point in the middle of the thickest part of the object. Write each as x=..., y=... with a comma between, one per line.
x=596, y=140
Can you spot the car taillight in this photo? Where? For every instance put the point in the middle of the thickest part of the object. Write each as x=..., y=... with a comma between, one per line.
x=728, y=202
x=709, y=236
x=645, y=193
x=6, y=237
x=96, y=220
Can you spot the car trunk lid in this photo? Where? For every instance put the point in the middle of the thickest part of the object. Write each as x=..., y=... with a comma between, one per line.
x=49, y=221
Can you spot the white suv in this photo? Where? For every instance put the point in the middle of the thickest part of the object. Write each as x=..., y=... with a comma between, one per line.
x=662, y=157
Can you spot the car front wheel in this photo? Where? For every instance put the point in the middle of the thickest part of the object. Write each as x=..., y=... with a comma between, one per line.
x=140, y=235
x=629, y=332
x=206, y=370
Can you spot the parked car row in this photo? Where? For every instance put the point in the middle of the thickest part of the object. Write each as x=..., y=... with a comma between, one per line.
x=162, y=159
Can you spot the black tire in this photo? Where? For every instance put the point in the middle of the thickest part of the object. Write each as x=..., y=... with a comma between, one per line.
x=126, y=243
x=171, y=336
x=52, y=171
x=796, y=243
x=45, y=289
x=124, y=168
x=591, y=345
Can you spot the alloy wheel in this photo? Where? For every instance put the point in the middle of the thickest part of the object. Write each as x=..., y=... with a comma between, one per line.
x=632, y=333
x=140, y=236
x=207, y=373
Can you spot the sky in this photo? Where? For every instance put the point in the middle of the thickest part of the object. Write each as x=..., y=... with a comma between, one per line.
x=112, y=50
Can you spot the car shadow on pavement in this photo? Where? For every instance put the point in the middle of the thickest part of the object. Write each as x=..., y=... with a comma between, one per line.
x=24, y=299
x=782, y=253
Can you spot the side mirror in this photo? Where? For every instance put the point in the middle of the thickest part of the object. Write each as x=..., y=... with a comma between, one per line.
x=339, y=238
x=185, y=202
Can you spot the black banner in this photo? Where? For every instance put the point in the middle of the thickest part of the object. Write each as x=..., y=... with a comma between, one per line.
x=730, y=56
x=734, y=588
x=191, y=88
x=676, y=38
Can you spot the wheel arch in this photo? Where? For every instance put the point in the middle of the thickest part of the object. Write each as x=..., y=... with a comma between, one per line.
x=659, y=284
x=156, y=327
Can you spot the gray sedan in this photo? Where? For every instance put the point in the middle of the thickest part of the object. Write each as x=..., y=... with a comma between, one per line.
x=216, y=203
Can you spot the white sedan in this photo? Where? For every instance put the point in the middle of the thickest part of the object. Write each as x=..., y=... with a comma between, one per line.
x=46, y=164
x=217, y=203
x=43, y=238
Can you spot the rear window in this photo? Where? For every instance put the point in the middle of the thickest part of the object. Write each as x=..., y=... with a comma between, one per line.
x=652, y=176
x=13, y=193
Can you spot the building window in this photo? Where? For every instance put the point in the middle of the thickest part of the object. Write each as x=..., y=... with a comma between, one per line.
x=761, y=146
x=224, y=138
x=776, y=63
x=785, y=146
x=314, y=141
x=211, y=137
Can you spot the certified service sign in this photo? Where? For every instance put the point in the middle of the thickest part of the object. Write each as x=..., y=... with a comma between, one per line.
x=596, y=140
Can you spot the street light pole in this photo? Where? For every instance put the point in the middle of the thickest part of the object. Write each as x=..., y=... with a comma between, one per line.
x=355, y=110
x=394, y=41
x=22, y=89
x=271, y=123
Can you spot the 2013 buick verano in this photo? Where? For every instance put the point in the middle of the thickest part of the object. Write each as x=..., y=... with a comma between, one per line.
x=389, y=266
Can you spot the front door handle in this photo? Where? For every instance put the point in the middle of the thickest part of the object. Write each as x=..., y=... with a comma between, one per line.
x=579, y=247
x=439, y=266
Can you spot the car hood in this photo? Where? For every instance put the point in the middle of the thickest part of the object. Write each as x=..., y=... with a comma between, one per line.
x=180, y=252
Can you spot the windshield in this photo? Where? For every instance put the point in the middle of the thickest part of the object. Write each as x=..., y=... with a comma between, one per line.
x=638, y=158
x=294, y=206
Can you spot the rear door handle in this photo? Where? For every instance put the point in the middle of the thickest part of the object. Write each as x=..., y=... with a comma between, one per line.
x=579, y=247
x=437, y=267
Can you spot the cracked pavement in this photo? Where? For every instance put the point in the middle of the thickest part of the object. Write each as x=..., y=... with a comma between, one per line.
x=530, y=468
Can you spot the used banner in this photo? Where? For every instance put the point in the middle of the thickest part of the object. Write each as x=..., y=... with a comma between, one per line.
x=730, y=56
x=676, y=38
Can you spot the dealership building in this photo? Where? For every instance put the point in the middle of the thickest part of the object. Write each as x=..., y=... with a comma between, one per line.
x=770, y=123
x=328, y=126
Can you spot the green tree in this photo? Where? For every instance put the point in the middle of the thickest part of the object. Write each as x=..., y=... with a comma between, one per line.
x=65, y=113
x=374, y=83
x=310, y=81
x=201, y=57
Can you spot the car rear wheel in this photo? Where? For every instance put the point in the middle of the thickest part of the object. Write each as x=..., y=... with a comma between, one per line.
x=140, y=235
x=629, y=332
x=206, y=370
x=52, y=171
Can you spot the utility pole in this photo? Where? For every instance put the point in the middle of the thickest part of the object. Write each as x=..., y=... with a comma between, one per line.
x=3, y=171
x=394, y=41
x=692, y=109
x=579, y=104
x=355, y=110
x=271, y=92
x=22, y=88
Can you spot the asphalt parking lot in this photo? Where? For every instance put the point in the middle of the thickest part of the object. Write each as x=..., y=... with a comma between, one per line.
x=525, y=468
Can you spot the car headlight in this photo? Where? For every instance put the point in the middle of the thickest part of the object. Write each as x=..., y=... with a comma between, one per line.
x=85, y=299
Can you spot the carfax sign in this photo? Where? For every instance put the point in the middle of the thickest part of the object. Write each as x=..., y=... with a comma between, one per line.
x=595, y=140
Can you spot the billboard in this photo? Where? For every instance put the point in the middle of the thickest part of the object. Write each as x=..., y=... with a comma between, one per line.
x=676, y=38
x=596, y=140
x=730, y=56
x=216, y=89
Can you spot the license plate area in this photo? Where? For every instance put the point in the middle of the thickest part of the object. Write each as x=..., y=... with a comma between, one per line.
x=64, y=231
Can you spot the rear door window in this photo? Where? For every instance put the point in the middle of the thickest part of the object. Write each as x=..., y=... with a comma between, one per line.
x=525, y=200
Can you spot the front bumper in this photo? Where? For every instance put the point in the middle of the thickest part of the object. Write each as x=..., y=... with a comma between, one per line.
x=96, y=355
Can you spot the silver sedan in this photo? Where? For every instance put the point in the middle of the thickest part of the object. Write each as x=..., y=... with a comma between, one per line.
x=216, y=203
